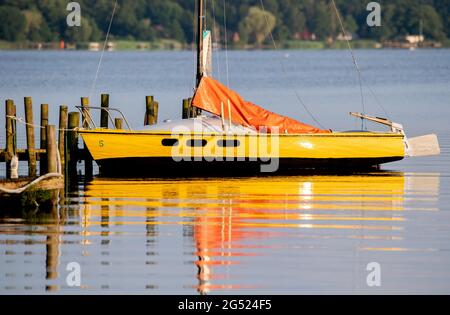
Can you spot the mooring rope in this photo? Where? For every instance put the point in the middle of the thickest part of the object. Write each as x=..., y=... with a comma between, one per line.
x=19, y=191
x=22, y=121
x=31, y=184
x=58, y=173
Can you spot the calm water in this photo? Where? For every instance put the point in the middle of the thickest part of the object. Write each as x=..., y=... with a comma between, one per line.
x=303, y=234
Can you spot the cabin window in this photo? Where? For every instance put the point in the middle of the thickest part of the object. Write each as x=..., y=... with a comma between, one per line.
x=170, y=142
x=197, y=143
x=228, y=143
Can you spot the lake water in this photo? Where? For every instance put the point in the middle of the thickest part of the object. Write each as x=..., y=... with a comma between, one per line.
x=294, y=235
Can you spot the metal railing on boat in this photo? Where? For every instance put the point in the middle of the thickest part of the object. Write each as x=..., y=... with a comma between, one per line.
x=85, y=112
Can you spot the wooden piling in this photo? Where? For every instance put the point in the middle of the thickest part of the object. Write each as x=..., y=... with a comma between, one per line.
x=104, y=114
x=154, y=113
x=192, y=109
x=52, y=153
x=31, y=146
x=88, y=168
x=86, y=112
x=9, y=136
x=63, y=117
x=148, y=109
x=72, y=144
x=43, y=140
x=186, y=106
x=118, y=123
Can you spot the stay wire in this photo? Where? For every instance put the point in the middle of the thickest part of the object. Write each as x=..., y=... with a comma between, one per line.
x=94, y=83
x=226, y=41
x=216, y=56
x=355, y=62
x=300, y=100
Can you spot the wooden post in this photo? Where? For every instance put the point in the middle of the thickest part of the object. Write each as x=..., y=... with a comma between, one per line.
x=9, y=136
x=104, y=116
x=62, y=134
x=86, y=112
x=192, y=109
x=118, y=123
x=186, y=106
x=154, y=113
x=88, y=168
x=52, y=159
x=148, y=109
x=43, y=140
x=31, y=146
x=72, y=144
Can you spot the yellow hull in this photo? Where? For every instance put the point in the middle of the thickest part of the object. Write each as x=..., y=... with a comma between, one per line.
x=111, y=148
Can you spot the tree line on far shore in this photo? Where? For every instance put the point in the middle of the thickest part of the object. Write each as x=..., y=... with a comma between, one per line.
x=246, y=21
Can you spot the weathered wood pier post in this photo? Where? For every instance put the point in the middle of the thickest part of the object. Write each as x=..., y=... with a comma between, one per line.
x=10, y=134
x=148, y=110
x=43, y=140
x=186, y=109
x=31, y=146
x=118, y=122
x=85, y=121
x=104, y=116
x=154, y=113
x=63, y=117
x=72, y=144
x=88, y=168
x=52, y=158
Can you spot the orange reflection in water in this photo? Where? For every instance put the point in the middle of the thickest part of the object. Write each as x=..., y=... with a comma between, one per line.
x=223, y=214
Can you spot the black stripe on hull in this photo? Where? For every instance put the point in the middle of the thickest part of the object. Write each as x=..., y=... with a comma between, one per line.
x=167, y=167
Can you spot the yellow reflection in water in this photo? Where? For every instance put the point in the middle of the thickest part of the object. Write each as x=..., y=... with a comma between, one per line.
x=224, y=213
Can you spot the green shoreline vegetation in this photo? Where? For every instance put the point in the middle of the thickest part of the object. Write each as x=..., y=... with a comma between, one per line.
x=170, y=24
x=173, y=45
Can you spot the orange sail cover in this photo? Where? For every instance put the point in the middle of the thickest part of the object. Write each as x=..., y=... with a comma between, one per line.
x=214, y=97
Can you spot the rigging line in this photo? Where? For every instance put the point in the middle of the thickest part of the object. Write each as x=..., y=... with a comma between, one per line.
x=358, y=70
x=23, y=121
x=216, y=56
x=193, y=49
x=377, y=100
x=226, y=41
x=103, y=50
x=297, y=95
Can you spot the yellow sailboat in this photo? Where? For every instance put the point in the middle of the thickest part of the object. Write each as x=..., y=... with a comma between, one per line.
x=239, y=137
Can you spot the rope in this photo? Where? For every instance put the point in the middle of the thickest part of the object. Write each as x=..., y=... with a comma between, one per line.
x=299, y=99
x=21, y=120
x=358, y=70
x=58, y=174
x=103, y=50
x=378, y=101
x=36, y=181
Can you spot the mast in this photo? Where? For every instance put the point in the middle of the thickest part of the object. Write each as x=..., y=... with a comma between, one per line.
x=200, y=27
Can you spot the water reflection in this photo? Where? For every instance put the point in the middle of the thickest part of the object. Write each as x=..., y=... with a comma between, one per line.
x=226, y=227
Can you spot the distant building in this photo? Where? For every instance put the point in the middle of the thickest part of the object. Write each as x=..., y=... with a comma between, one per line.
x=94, y=46
x=110, y=46
x=411, y=42
x=414, y=39
x=305, y=35
x=346, y=37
